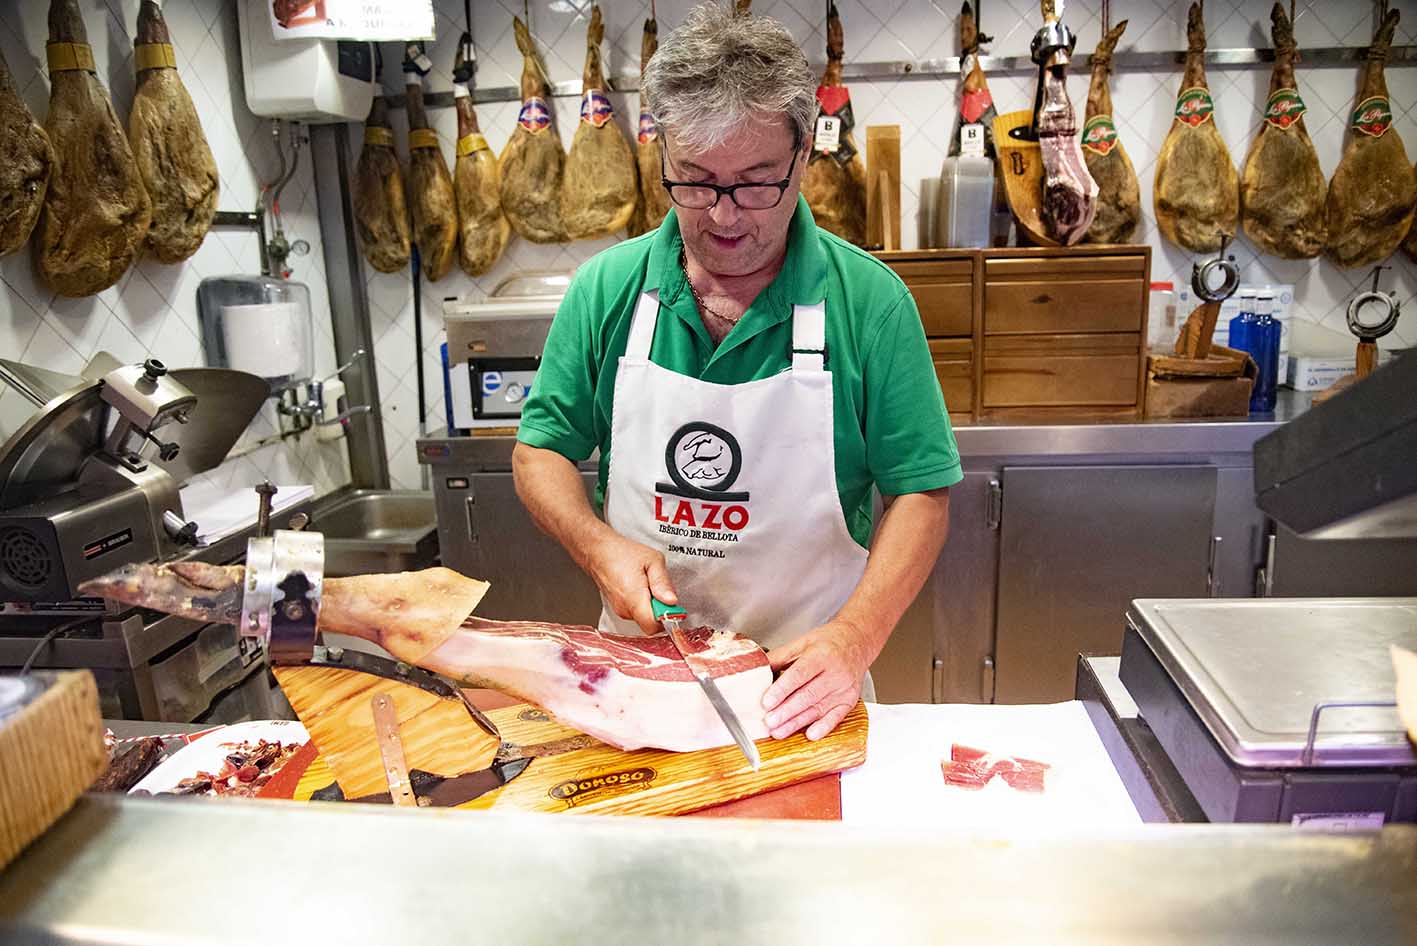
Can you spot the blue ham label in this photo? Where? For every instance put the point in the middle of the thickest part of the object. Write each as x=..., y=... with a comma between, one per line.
x=1372, y=117
x=535, y=117
x=1099, y=135
x=596, y=108
x=1284, y=108
x=648, y=129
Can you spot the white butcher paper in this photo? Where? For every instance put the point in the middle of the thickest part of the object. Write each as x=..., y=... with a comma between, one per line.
x=901, y=786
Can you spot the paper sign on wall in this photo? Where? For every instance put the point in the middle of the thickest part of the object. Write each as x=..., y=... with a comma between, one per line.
x=370, y=20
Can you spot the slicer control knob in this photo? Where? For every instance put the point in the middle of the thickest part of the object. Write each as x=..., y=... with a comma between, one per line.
x=154, y=369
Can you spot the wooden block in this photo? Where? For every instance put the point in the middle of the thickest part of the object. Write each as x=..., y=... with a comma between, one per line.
x=1021, y=165
x=943, y=291
x=51, y=749
x=883, y=186
x=601, y=779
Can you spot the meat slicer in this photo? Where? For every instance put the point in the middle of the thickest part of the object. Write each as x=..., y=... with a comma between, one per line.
x=77, y=495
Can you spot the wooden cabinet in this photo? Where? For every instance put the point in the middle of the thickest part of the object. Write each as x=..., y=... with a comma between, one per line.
x=1035, y=330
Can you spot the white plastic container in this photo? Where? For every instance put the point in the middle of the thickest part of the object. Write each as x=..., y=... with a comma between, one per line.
x=1161, y=327
x=310, y=80
x=966, y=202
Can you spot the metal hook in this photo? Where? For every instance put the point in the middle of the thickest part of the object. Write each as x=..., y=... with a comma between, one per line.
x=1383, y=302
x=1201, y=273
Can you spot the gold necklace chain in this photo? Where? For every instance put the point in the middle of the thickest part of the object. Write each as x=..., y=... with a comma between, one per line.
x=684, y=262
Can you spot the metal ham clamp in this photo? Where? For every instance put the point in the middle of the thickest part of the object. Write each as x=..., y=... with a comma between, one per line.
x=280, y=604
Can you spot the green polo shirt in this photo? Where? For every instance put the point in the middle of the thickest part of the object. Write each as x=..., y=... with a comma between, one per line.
x=889, y=425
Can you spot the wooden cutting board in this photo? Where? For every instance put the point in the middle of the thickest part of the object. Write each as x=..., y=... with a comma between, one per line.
x=600, y=779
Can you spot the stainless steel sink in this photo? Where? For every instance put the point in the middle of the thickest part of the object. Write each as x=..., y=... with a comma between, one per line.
x=370, y=530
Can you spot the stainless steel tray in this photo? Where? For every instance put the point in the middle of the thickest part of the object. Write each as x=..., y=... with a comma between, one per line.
x=1254, y=670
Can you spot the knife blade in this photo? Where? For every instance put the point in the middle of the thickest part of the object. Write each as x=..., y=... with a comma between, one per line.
x=672, y=617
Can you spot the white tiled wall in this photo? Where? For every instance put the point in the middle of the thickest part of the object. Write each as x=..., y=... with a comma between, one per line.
x=925, y=110
x=152, y=311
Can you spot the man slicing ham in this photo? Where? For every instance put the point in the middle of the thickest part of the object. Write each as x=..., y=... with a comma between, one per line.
x=748, y=379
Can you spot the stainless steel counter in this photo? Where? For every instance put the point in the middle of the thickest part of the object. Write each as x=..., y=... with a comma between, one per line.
x=137, y=871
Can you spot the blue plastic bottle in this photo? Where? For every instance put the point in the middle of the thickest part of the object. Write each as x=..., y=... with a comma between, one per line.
x=1242, y=323
x=1264, y=339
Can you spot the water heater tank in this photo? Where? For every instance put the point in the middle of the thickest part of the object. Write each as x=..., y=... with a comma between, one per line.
x=309, y=80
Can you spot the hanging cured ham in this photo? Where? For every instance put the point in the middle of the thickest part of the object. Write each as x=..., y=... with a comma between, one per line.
x=171, y=149
x=96, y=212
x=26, y=161
x=835, y=180
x=1196, y=193
x=976, y=104
x=600, y=187
x=430, y=189
x=1069, y=192
x=532, y=161
x=1118, y=195
x=1283, y=194
x=482, y=229
x=654, y=200
x=380, y=209
x=1370, y=199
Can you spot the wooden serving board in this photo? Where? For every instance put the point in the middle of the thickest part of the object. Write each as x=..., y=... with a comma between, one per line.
x=600, y=779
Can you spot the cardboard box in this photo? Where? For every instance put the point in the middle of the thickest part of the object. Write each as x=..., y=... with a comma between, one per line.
x=1321, y=357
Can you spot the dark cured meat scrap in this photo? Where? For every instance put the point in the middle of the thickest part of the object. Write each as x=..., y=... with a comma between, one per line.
x=127, y=769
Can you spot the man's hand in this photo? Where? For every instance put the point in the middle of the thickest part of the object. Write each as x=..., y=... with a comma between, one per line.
x=627, y=574
x=821, y=682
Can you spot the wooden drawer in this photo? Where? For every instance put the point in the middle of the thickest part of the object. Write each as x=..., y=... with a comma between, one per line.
x=1061, y=371
x=943, y=291
x=954, y=366
x=1063, y=294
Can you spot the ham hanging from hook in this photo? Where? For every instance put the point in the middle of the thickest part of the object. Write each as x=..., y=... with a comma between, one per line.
x=1118, y=194
x=600, y=187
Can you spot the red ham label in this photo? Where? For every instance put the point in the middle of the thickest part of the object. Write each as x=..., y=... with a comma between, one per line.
x=1284, y=108
x=973, y=104
x=1194, y=106
x=535, y=117
x=596, y=108
x=1372, y=117
x=1099, y=135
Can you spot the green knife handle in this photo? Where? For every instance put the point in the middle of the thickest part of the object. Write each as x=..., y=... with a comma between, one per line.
x=662, y=610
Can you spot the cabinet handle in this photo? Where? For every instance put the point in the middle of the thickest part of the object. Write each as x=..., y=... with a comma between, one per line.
x=468, y=507
x=994, y=504
x=1212, y=578
x=986, y=680
x=937, y=680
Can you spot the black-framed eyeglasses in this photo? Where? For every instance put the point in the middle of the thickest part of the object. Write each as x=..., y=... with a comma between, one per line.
x=751, y=195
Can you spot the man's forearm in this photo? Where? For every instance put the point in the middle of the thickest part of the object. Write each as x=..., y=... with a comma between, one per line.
x=904, y=551
x=550, y=487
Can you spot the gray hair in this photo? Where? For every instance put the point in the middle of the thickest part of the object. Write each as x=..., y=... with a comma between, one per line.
x=719, y=69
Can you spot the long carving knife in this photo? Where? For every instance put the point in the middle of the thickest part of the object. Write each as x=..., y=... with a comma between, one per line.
x=672, y=617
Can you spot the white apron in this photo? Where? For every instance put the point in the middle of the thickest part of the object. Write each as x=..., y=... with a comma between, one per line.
x=736, y=485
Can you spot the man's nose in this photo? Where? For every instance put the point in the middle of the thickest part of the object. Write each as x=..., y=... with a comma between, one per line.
x=725, y=213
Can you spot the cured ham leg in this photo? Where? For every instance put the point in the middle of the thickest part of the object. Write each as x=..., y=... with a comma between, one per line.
x=380, y=210
x=599, y=191
x=1371, y=196
x=477, y=182
x=1283, y=194
x=835, y=180
x=430, y=188
x=654, y=199
x=1118, y=195
x=1069, y=192
x=533, y=162
x=1196, y=192
x=26, y=160
x=630, y=692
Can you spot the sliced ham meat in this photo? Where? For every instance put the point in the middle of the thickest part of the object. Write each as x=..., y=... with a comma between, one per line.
x=630, y=692
x=1372, y=193
x=972, y=769
x=26, y=161
x=835, y=180
x=1196, y=194
x=1118, y=194
x=533, y=162
x=1283, y=194
x=171, y=149
x=600, y=187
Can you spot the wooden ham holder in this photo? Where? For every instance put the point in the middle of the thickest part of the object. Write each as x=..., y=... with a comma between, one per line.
x=387, y=732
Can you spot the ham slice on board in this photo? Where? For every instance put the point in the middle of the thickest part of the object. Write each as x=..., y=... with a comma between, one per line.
x=96, y=212
x=630, y=692
x=477, y=182
x=1118, y=195
x=430, y=189
x=171, y=149
x=1196, y=193
x=1283, y=194
x=380, y=208
x=654, y=200
x=600, y=186
x=26, y=161
x=835, y=180
x=532, y=161
x=1371, y=195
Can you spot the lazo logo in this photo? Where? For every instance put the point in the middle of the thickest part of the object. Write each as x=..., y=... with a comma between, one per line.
x=1193, y=106
x=1372, y=117
x=1284, y=108
x=1099, y=135
x=703, y=461
x=578, y=791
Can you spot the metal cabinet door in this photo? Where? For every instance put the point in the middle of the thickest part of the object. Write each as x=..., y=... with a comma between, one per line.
x=532, y=576
x=962, y=589
x=1077, y=545
x=1338, y=568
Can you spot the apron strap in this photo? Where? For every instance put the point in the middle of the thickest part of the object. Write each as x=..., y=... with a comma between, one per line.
x=809, y=337
x=642, y=325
